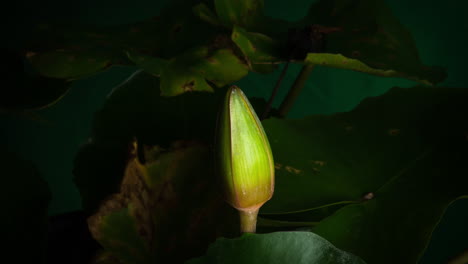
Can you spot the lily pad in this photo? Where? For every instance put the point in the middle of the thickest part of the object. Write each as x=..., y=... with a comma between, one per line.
x=323, y=160
x=276, y=248
x=394, y=163
x=191, y=71
x=370, y=39
x=221, y=67
x=167, y=209
x=403, y=214
x=67, y=64
x=150, y=64
x=178, y=82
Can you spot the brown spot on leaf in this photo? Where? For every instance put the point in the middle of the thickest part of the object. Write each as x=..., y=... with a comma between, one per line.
x=189, y=87
x=394, y=132
x=71, y=58
x=221, y=41
x=212, y=60
x=30, y=54
x=253, y=47
x=292, y=170
x=135, y=30
x=278, y=166
x=320, y=163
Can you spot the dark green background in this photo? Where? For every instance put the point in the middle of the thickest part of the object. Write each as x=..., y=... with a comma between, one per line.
x=439, y=28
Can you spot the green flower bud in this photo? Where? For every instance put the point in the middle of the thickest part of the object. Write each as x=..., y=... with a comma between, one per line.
x=245, y=162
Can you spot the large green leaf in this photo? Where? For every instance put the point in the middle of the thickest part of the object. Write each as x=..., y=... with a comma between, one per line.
x=70, y=64
x=167, y=210
x=324, y=160
x=390, y=167
x=25, y=197
x=276, y=248
x=370, y=39
x=401, y=217
x=191, y=70
x=150, y=64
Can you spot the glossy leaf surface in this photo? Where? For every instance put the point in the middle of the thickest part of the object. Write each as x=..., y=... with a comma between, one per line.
x=328, y=159
x=394, y=163
x=276, y=248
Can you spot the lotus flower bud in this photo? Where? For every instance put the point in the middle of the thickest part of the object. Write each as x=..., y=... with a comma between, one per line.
x=244, y=158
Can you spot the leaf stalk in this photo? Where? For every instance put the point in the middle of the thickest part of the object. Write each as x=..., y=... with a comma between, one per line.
x=296, y=89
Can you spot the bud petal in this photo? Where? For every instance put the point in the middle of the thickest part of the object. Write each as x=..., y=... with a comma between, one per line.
x=245, y=161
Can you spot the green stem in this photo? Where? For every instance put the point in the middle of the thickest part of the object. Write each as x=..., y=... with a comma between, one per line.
x=295, y=90
x=248, y=220
x=275, y=91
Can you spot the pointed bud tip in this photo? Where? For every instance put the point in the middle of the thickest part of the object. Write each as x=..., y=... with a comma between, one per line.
x=244, y=154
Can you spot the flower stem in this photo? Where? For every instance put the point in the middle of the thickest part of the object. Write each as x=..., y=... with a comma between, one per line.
x=274, y=92
x=295, y=90
x=248, y=220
